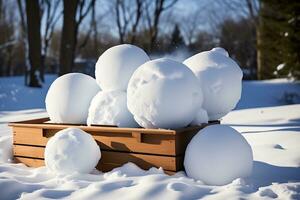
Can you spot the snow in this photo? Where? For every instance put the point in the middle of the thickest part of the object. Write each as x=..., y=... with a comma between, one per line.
x=220, y=78
x=69, y=97
x=110, y=108
x=116, y=65
x=163, y=93
x=71, y=151
x=217, y=155
x=271, y=127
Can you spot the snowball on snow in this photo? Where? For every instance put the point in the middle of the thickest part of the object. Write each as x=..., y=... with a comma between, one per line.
x=163, y=93
x=116, y=65
x=72, y=151
x=69, y=97
x=220, y=78
x=110, y=108
x=217, y=155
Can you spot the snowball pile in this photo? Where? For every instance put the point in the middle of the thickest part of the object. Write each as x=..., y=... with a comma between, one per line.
x=217, y=155
x=113, y=71
x=68, y=98
x=220, y=78
x=163, y=93
x=72, y=151
x=159, y=93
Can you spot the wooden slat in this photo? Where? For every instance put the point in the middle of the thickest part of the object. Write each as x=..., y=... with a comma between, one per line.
x=30, y=162
x=112, y=130
x=159, y=144
x=145, y=161
x=31, y=136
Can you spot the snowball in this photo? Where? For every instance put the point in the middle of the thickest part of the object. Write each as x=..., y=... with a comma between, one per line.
x=163, y=93
x=72, y=150
x=69, y=97
x=217, y=155
x=116, y=65
x=110, y=108
x=220, y=78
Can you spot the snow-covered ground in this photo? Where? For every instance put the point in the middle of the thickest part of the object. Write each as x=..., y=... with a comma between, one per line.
x=263, y=117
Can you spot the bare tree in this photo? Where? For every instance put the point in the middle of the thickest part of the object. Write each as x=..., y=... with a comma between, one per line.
x=34, y=40
x=21, y=10
x=74, y=13
x=50, y=12
x=248, y=9
x=127, y=18
x=153, y=16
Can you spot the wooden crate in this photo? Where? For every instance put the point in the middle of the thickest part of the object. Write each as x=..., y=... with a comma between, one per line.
x=144, y=147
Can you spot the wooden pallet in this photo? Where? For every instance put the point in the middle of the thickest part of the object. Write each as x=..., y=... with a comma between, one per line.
x=145, y=147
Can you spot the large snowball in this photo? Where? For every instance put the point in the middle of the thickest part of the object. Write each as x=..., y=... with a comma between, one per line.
x=217, y=155
x=116, y=65
x=69, y=97
x=110, y=108
x=220, y=78
x=72, y=150
x=163, y=93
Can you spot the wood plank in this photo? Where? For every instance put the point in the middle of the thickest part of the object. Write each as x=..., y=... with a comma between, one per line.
x=29, y=151
x=159, y=144
x=145, y=161
x=97, y=128
x=32, y=136
x=33, y=162
x=30, y=162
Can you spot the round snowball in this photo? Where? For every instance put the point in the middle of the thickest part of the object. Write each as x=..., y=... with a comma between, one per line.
x=72, y=150
x=69, y=97
x=110, y=108
x=217, y=155
x=116, y=65
x=221, y=79
x=163, y=93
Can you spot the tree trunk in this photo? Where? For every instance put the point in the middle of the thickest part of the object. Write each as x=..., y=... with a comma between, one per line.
x=258, y=54
x=34, y=40
x=68, y=39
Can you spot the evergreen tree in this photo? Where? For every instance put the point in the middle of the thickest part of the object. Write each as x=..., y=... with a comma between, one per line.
x=176, y=39
x=279, y=28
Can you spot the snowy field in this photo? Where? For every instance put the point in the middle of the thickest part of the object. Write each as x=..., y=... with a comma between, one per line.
x=268, y=116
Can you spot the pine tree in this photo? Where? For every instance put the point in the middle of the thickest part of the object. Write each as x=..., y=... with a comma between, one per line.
x=280, y=36
x=176, y=39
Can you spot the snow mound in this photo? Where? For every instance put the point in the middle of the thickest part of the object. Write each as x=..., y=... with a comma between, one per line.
x=217, y=155
x=71, y=151
x=163, y=93
x=116, y=65
x=69, y=97
x=110, y=108
x=221, y=79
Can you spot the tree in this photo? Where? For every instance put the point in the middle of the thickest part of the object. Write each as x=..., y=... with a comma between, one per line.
x=128, y=17
x=153, y=16
x=280, y=32
x=34, y=40
x=7, y=38
x=68, y=38
x=24, y=39
x=51, y=14
x=74, y=13
x=240, y=44
x=176, y=39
